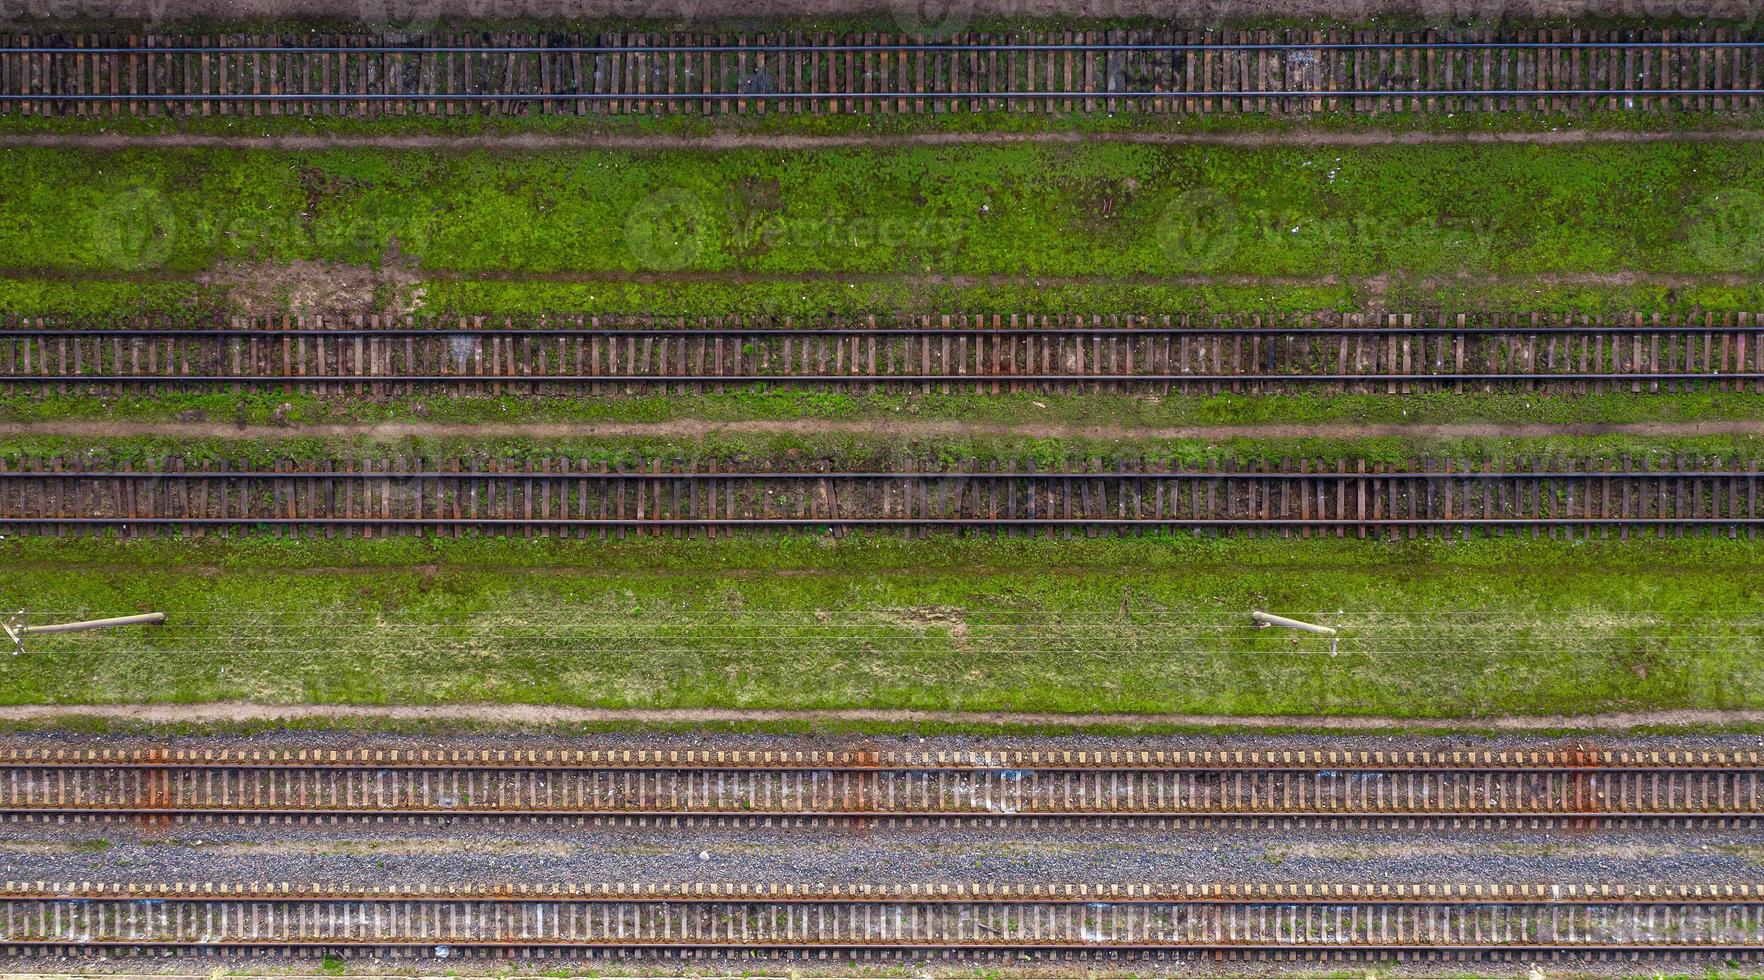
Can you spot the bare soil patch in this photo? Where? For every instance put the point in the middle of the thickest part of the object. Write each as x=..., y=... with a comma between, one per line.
x=302, y=287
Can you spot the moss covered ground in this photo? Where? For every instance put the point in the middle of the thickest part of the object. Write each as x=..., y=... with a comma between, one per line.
x=1018, y=227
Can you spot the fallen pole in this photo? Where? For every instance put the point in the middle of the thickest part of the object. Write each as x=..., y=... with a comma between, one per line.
x=1269, y=619
x=17, y=631
x=94, y=624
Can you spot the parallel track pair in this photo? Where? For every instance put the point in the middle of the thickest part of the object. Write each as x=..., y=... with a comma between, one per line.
x=1511, y=788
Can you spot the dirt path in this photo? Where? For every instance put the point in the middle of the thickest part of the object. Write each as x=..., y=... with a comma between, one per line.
x=884, y=427
x=533, y=714
x=528, y=142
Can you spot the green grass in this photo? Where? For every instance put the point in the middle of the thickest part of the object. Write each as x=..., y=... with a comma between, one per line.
x=836, y=230
x=858, y=451
x=343, y=718
x=1100, y=123
x=107, y=295
x=1431, y=629
x=777, y=404
x=180, y=297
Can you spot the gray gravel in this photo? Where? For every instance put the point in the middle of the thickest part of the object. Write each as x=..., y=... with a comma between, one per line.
x=344, y=738
x=366, y=856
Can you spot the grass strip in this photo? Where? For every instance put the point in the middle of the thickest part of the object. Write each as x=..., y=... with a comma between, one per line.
x=98, y=722
x=1031, y=411
x=180, y=298
x=778, y=231
x=689, y=124
x=1430, y=629
x=858, y=451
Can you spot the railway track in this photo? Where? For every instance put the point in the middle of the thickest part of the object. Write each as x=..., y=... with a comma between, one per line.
x=576, y=497
x=1507, y=789
x=1125, y=70
x=1023, y=922
x=1391, y=353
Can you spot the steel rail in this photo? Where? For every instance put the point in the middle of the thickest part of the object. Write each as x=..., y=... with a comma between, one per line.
x=1539, y=377
x=631, y=476
x=774, y=760
x=884, y=769
x=974, y=94
x=1074, y=815
x=440, y=333
x=848, y=47
x=1057, y=894
x=822, y=522
x=1309, y=949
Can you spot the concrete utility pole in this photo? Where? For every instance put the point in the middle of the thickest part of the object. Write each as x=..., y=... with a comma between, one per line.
x=1265, y=620
x=16, y=630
